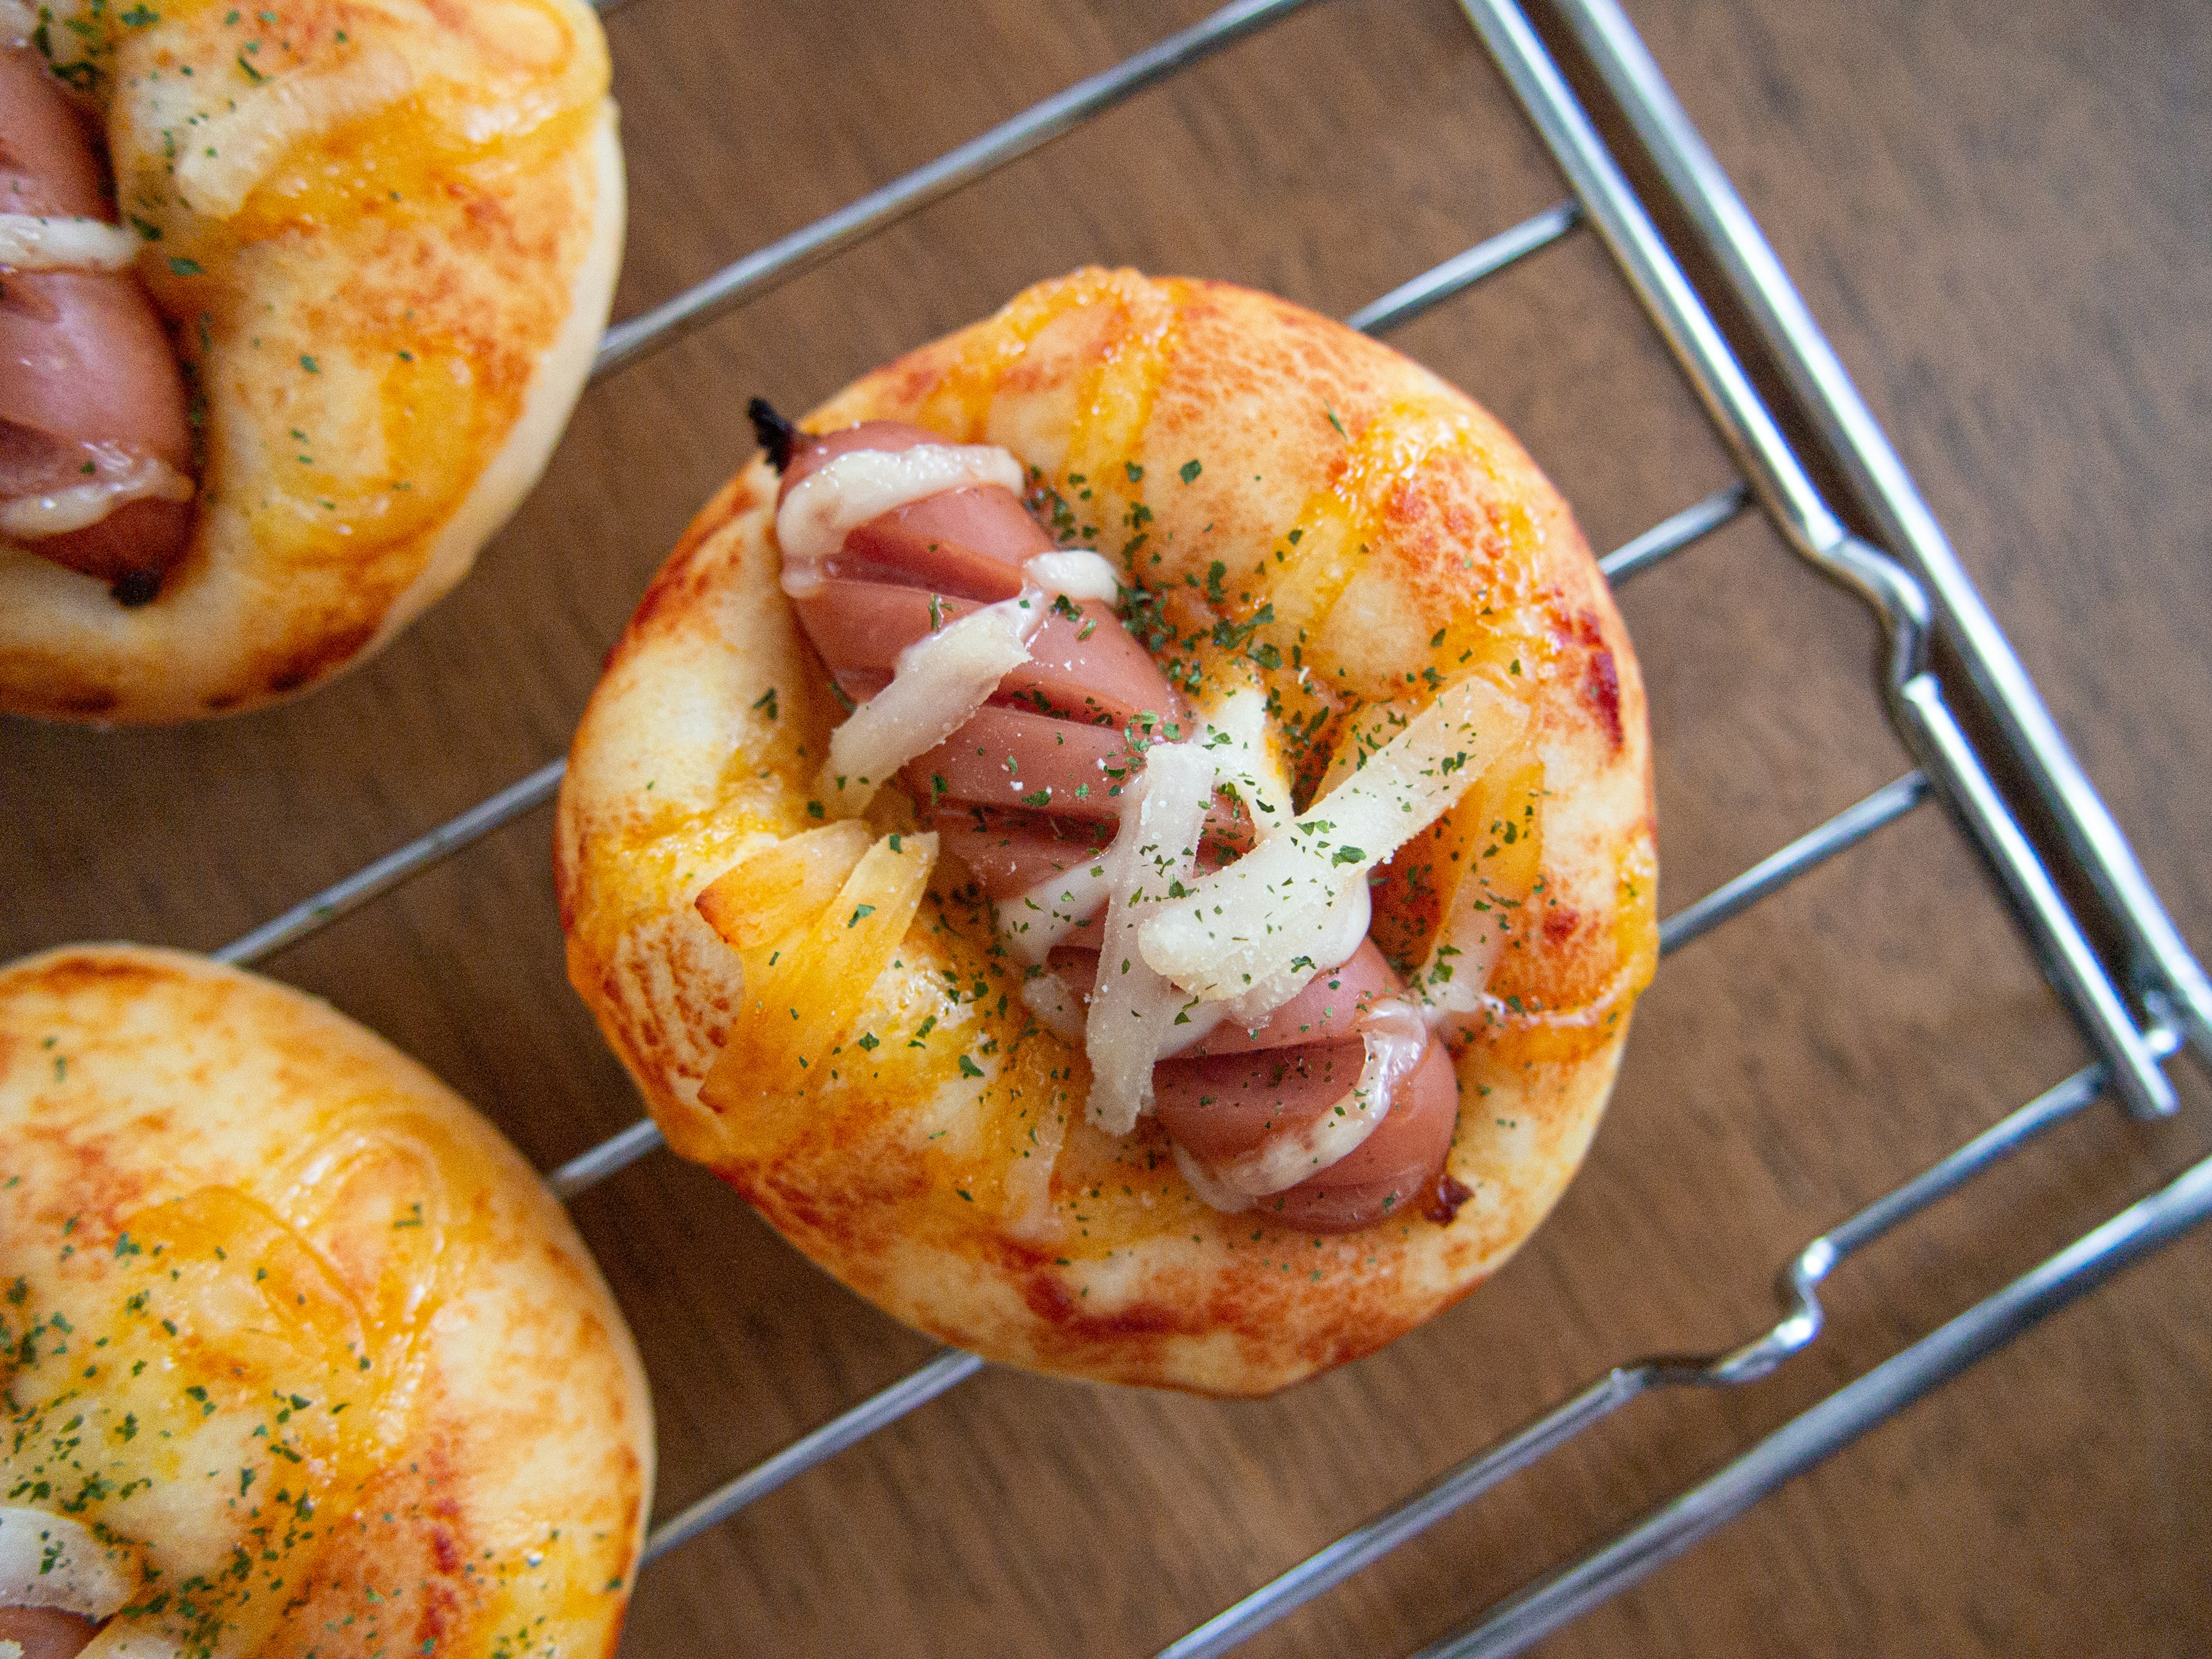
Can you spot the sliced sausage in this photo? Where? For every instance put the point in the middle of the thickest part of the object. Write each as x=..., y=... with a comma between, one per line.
x=90, y=392
x=1031, y=788
x=47, y=1633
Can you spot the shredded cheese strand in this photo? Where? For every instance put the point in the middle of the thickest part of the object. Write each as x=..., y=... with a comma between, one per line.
x=940, y=683
x=1236, y=735
x=1074, y=571
x=51, y=1561
x=1055, y=1004
x=1260, y=929
x=819, y=511
x=1034, y=922
x=37, y=241
x=1136, y=1014
x=118, y=477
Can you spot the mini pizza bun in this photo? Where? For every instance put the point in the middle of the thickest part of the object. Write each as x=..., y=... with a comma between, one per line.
x=385, y=238
x=1304, y=511
x=300, y=1354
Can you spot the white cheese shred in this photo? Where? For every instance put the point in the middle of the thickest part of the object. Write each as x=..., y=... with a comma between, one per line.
x=1056, y=1005
x=824, y=507
x=1074, y=571
x=940, y=683
x=118, y=477
x=1136, y=1015
x=36, y=241
x=1259, y=930
x=51, y=1561
x=1032, y=923
x=1235, y=736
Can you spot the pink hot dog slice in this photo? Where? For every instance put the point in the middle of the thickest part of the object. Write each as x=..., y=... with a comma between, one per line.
x=87, y=376
x=47, y=1633
x=1220, y=1106
x=1030, y=788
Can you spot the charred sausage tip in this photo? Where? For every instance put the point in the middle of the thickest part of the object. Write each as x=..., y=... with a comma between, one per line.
x=776, y=434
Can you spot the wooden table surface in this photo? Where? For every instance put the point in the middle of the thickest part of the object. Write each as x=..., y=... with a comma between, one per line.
x=2002, y=217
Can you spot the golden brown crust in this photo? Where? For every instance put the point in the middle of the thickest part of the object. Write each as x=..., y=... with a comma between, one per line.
x=387, y=318
x=937, y=1160
x=240, y=1234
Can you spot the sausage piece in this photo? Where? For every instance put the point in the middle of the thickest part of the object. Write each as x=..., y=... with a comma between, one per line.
x=91, y=395
x=1030, y=787
x=47, y=1633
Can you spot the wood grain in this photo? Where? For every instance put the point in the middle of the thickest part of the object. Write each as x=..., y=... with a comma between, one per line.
x=2001, y=215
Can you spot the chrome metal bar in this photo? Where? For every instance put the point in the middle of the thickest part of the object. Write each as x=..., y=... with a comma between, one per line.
x=2069, y=961
x=1739, y=416
x=1847, y=829
x=1999, y=1141
x=1463, y=270
x=1534, y=1613
x=395, y=867
x=1040, y=124
x=2162, y=956
x=587, y=1170
x=1673, y=535
x=1798, y=1286
x=948, y=1370
x=1363, y=1546
x=1746, y=427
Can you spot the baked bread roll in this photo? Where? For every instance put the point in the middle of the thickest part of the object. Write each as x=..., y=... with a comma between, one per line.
x=299, y=1356
x=382, y=238
x=1361, y=713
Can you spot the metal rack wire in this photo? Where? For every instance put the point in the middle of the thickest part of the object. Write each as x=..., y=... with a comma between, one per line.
x=1917, y=590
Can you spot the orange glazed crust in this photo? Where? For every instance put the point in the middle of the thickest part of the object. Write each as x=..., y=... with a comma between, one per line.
x=293, y=1330
x=1312, y=513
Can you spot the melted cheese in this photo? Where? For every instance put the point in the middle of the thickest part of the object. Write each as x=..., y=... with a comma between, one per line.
x=129, y=1641
x=1075, y=572
x=1137, y=1015
x=820, y=510
x=940, y=683
x=1257, y=931
x=35, y=242
x=239, y=145
x=118, y=477
x=51, y=1561
x=1049, y=912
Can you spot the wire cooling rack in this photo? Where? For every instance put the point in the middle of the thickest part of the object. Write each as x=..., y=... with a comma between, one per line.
x=1915, y=587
